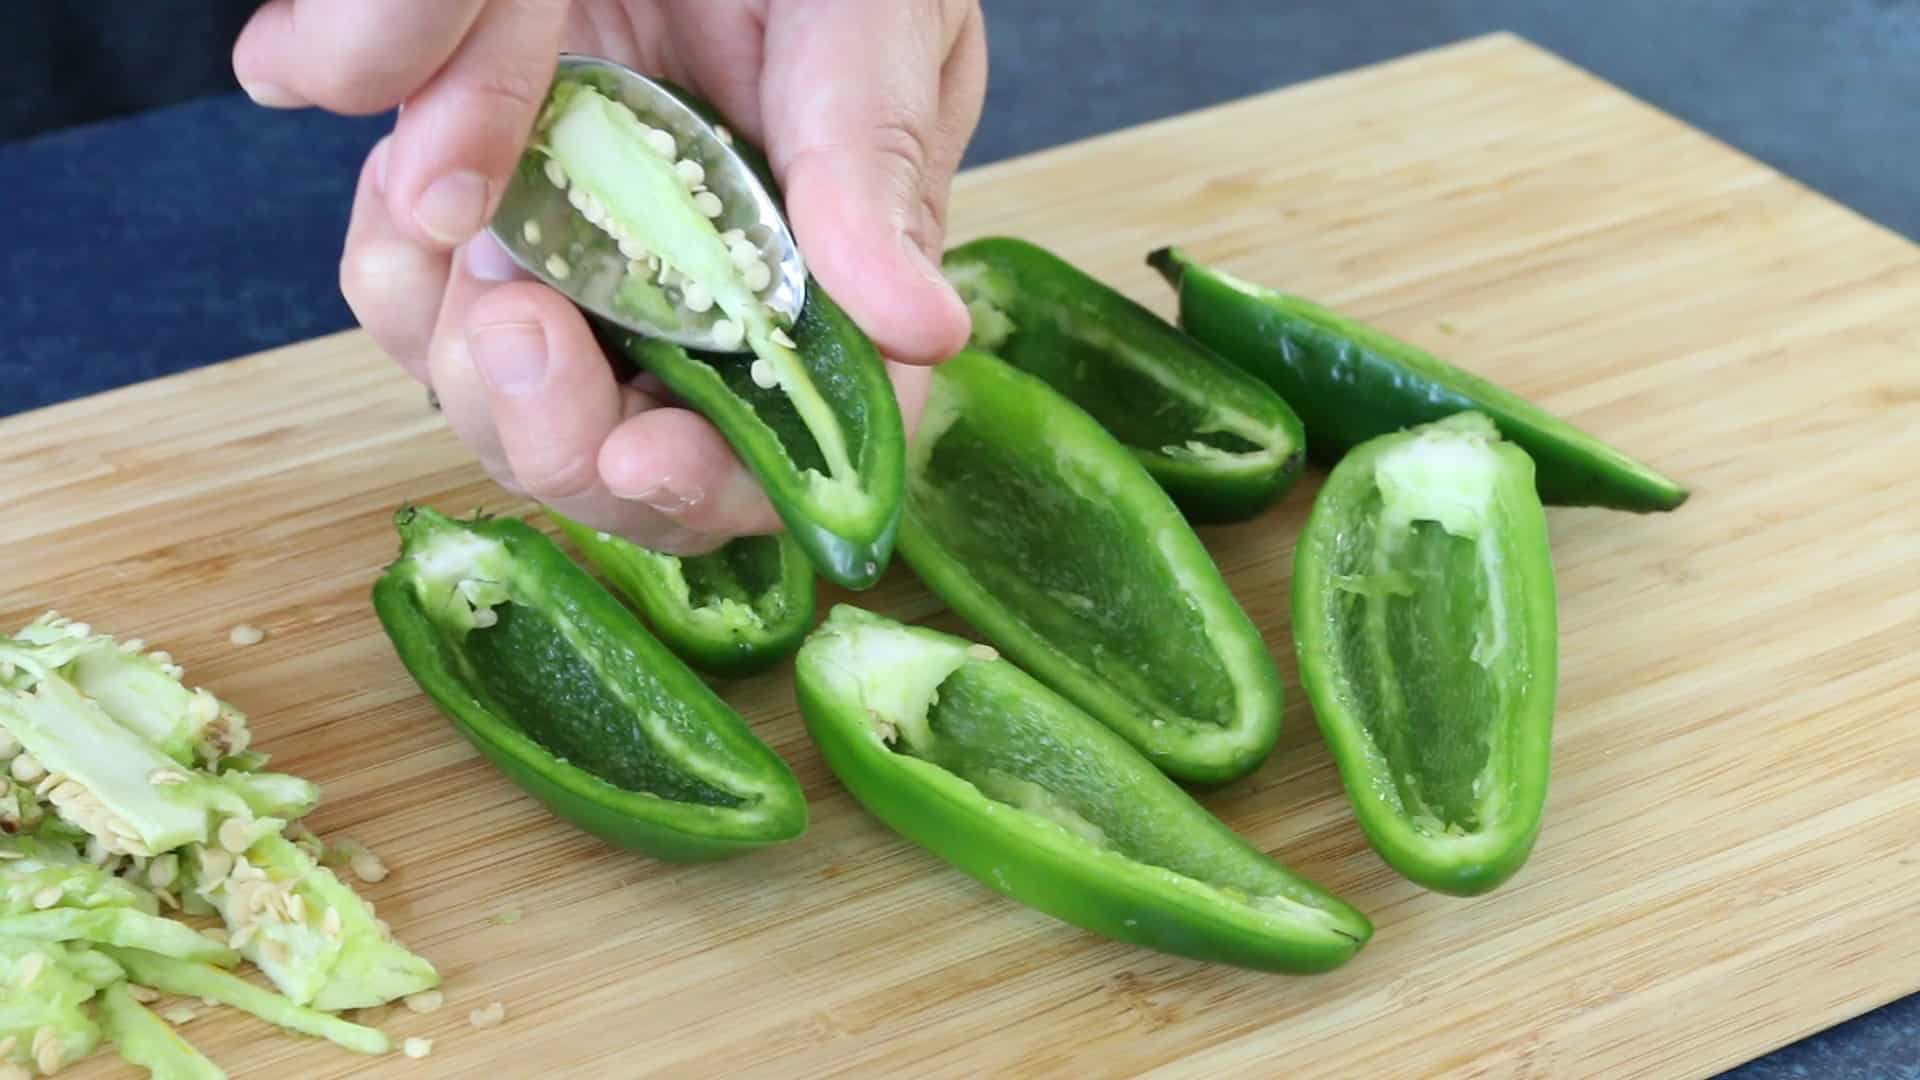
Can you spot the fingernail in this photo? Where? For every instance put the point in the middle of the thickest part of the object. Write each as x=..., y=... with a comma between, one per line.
x=666, y=499
x=486, y=260
x=273, y=97
x=453, y=207
x=510, y=357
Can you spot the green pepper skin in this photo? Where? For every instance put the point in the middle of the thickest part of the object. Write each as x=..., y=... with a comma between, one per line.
x=419, y=600
x=1222, y=443
x=1049, y=537
x=1351, y=383
x=1424, y=618
x=1084, y=828
x=847, y=530
x=760, y=603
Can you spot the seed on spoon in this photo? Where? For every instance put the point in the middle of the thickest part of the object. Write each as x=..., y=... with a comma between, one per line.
x=708, y=204
x=531, y=230
x=697, y=298
x=690, y=172
x=757, y=276
x=558, y=268
x=728, y=334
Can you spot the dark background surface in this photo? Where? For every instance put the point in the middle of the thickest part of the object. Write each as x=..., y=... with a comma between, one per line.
x=193, y=232
x=158, y=221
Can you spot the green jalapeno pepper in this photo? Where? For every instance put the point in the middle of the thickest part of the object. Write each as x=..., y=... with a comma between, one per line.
x=971, y=758
x=563, y=689
x=1046, y=534
x=1222, y=443
x=1351, y=383
x=735, y=611
x=811, y=412
x=1423, y=612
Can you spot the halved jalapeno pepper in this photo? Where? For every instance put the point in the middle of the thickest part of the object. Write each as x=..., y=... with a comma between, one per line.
x=1423, y=611
x=734, y=611
x=561, y=687
x=1216, y=438
x=969, y=757
x=811, y=411
x=1046, y=534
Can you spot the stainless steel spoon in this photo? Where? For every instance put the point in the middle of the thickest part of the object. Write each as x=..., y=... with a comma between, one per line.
x=595, y=267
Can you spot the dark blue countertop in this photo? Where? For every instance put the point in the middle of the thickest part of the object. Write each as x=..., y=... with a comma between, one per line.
x=149, y=244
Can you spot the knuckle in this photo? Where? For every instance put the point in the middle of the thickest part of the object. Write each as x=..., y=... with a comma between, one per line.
x=932, y=227
x=356, y=279
x=369, y=274
x=555, y=481
x=509, y=86
x=897, y=137
x=354, y=83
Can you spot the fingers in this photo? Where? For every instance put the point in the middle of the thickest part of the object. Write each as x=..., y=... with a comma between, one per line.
x=720, y=49
x=524, y=384
x=472, y=74
x=675, y=461
x=464, y=399
x=866, y=145
x=963, y=93
x=349, y=56
x=392, y=284
x=460, y=135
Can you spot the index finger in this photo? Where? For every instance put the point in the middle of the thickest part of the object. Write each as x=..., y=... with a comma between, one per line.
x=347, y=56
x=460, y=136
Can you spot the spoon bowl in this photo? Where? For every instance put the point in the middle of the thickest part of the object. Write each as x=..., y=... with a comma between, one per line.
x=536, y=223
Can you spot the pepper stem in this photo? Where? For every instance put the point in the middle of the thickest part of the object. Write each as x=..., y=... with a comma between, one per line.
x=1171, y=262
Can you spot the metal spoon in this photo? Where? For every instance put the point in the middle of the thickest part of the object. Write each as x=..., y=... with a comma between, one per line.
x=594, y=266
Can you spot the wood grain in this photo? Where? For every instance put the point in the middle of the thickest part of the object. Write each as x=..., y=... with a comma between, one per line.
x=1729, y=858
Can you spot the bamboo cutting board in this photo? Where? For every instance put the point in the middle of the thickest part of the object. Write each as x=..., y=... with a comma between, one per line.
x=1729, y=858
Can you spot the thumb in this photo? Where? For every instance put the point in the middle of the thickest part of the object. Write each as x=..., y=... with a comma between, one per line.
x=459, y=136
x=851, y=96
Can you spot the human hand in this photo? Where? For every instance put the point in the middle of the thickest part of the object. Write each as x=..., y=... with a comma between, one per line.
x=863, y=106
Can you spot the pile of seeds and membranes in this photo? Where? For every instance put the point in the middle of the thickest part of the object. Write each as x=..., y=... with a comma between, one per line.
x=145, y=851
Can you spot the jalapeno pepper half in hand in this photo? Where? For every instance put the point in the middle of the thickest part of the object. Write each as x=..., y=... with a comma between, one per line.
x=969, y=757
x=1046, y=534
x=562, y=688
x=811, y=411
x=1216, y=438
x=734, y=611
x=1351, y=383
x=1423, y=611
